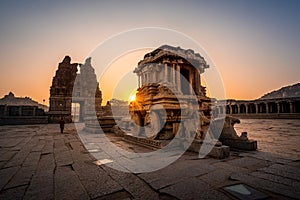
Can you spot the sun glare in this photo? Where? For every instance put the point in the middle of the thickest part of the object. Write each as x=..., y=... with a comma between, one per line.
x=132, y=97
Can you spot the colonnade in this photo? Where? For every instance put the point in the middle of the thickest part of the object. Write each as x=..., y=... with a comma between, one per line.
x=283, y=105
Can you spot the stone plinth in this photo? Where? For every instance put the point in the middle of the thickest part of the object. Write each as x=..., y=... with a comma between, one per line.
x=249, y=145
x=219, y=152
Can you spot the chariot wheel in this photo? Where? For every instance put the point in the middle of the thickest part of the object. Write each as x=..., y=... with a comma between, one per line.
x=153, y=124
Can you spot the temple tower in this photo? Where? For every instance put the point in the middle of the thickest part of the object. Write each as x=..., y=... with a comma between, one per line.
x=71, y=90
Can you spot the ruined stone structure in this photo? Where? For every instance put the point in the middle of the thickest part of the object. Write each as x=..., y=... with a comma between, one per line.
x=170, y=100
x=262, y=108
x=19, y=110
x=166, y=76
x=65, y=90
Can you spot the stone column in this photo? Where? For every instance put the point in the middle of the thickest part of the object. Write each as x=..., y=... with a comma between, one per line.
x=256, y=108
x=5, y=111
x=20, y=110
x=291, y=107
x=139, y=80
x=246, y=108
x=267, y=108
x=166, y=73
x=174, y=74
x=191, y=82
x=34, y=111
x=178, y=78
x=238, y=108
x=230, y=109
x=278, y=108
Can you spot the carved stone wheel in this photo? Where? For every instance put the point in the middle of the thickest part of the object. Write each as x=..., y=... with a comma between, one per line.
x=154, y=124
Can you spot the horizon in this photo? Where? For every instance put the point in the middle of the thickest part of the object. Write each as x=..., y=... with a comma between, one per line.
x=255, y=48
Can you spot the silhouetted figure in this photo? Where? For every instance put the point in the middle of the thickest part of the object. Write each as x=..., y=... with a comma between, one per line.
x=62, y=124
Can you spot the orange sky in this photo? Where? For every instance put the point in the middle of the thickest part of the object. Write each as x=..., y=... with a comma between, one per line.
x=255, y=45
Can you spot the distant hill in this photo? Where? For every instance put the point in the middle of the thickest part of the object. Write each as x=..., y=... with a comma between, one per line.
x=287, y=91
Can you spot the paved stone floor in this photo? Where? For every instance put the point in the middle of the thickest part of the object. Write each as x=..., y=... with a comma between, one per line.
x=38, y=162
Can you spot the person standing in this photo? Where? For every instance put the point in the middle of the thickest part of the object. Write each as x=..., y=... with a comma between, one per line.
x=62, y=124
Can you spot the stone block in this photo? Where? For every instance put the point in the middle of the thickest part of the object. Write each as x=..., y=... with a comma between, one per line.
x=249, y=145
x=219, y=152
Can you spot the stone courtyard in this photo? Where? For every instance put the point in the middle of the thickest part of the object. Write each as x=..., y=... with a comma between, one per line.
x=38, y=162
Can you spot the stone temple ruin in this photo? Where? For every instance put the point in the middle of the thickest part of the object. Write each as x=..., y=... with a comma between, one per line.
x=170, y=101
x=170, y=77
x=166, y=75
x=72, y=88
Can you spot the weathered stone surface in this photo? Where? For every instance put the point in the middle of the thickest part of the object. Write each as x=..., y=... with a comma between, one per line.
x=32, y=159
x=13, y=193
x=6, y=174
x=42, y=176
x=249, y=163
x=133, y=184
x=284, y=171
x=267, y=184
x=66, y=178
x=22, y=177
x=175, y=172
x=95, y=180
x=190, y=189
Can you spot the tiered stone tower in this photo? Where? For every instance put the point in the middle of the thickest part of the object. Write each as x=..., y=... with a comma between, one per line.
x=69, y=87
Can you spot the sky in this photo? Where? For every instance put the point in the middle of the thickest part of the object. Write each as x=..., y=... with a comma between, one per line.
x=255, y=44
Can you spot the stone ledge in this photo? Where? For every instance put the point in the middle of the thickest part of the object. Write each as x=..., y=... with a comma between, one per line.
x=249, y=145
x=219, y=152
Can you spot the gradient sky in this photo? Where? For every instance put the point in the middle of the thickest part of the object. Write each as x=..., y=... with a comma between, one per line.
x=254, y=44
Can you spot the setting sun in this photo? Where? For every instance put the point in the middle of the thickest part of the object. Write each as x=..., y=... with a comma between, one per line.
x=132, y=97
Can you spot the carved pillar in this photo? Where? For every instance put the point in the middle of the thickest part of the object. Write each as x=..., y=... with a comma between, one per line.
x=166, y=73
x=191, y=81
x=230, y=109
x=174, y=74
x=267, y=108
x=238, y=108
x=178, y=78
x=139, y=80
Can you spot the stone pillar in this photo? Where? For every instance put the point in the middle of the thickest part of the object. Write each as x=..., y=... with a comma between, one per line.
x=238, y=108
x=178, y=78
x=256, y=108
x=139, y=80
x=166, y=73
x=174, y=74
x=5, y=111
x=267, y=108
x=191, y=82
x=34, y=111
x=278, y=108
x=230, y=109
x=291, y=107
x=20, y=110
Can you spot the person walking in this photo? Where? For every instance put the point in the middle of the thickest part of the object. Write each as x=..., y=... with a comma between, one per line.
x=62, y=124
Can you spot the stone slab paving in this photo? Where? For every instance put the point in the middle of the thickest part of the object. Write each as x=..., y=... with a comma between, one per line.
x=38, y=162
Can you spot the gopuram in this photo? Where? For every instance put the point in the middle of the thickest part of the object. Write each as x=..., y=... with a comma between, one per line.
x=170, y=100
x=70, y=87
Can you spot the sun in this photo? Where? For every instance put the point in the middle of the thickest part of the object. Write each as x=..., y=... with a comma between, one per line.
x=132, y=97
